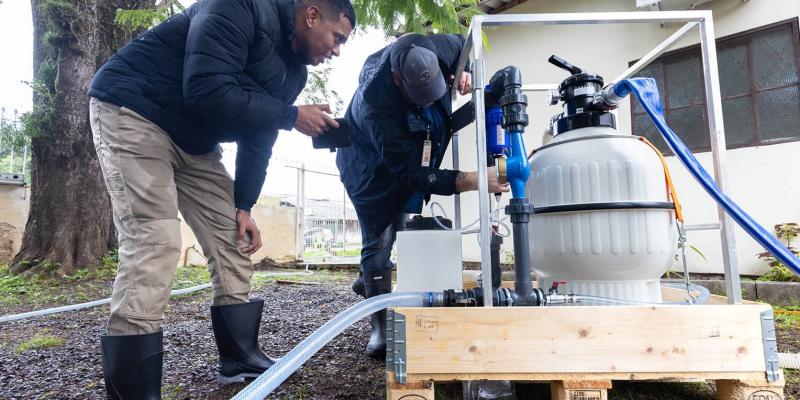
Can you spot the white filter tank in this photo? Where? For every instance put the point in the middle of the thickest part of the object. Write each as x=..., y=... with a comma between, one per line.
x=604, y=220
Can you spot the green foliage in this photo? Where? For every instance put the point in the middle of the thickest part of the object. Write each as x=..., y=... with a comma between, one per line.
x=317, y=90
x=346, y=252
x=420, y=16
x=40, y=340
x=302, y=392
x=14, y=143
x=508, y=257
x=147, y=18
x=191, y=275
x=261, y=278
x=788, y=232
x=670, y=274
x=111, y=259
x=172, y=392
x=787, y=317
x=59, y=16
x=778, y=271
x=45, y=286
x=12, y=285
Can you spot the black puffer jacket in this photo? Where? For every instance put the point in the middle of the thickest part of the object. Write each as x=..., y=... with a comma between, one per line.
x=382, y=168
x=222, y=71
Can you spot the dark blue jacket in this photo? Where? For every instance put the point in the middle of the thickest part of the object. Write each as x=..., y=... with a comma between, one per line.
x=382, y=168
x=222, y=71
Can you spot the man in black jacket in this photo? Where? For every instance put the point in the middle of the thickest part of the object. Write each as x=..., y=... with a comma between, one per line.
x=222, y=71
x=400, y=126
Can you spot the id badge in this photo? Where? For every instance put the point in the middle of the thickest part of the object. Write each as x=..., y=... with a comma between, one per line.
x=426, y=153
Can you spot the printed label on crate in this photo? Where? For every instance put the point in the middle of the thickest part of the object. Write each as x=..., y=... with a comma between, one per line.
x=427, y=324
x=765, y=395
x=585, y=395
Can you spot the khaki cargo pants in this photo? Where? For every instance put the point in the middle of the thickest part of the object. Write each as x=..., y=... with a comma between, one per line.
x=150, y=179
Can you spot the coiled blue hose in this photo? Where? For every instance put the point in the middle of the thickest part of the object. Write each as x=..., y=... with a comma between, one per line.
x=646, y=91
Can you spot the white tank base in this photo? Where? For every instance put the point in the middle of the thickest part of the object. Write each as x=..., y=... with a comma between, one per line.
x=641, y=290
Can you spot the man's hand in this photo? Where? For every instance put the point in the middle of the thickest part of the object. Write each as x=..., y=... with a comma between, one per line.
x=247, y=227
x=466, y=181
x=314, y=119
x=464, y=84
x=494, y=185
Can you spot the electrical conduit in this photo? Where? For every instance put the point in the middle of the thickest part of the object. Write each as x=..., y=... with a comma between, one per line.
x=288, y=364
x=646, y=91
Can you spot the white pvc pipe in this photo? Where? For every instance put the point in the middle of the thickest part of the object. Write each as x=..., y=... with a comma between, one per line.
x=81, y=306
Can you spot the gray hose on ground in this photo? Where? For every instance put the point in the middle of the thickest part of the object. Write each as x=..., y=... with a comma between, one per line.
x=789, y=360
x=288, y=364
x=81, y=306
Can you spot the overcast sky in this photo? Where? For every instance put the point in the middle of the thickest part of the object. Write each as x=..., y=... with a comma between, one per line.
x=16, y=38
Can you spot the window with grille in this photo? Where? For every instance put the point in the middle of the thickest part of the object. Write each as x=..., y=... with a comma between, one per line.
x=759, y=72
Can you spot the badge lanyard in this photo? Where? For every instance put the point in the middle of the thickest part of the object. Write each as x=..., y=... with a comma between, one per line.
x=426, y=150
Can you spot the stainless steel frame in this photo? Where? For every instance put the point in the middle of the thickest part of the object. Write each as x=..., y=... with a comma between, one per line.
x=473, y=50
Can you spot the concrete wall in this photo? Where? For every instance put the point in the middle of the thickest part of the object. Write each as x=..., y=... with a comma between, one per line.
x=13, y=215
x=279, y=240
x=762, y=179
x=278, y=228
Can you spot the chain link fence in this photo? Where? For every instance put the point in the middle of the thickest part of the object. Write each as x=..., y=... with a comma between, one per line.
x=329, y=232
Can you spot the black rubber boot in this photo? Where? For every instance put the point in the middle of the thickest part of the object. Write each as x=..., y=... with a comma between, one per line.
x=132, y=366
x=236, y=332
x=377, y=283
x=358, y=285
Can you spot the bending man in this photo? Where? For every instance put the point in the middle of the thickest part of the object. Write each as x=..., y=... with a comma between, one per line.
x=400, y=126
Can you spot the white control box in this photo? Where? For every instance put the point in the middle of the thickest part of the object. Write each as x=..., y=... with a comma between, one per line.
x=428, y=261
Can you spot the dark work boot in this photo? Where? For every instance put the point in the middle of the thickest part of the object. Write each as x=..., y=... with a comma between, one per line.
x=358, y=285
x=132, y=366
x=375, y=284
x=236, y=332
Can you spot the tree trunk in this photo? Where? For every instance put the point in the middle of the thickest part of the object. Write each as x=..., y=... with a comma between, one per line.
x=70, y=223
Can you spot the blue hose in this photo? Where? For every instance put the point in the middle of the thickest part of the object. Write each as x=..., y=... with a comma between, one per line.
x=646, y=91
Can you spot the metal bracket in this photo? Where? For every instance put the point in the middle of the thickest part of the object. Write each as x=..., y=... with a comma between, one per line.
x=396, y=346
x=389, y=340
x=770, y=346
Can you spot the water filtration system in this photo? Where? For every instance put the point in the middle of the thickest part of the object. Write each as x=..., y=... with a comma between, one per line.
x=598, y=221
x=605, y=221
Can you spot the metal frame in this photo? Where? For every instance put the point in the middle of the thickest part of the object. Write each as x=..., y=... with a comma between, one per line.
x=473, y=50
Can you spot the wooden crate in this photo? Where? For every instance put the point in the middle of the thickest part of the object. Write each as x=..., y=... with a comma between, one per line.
x=580, y=349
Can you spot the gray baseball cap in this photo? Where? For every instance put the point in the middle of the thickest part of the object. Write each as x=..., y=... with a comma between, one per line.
x=414, y=58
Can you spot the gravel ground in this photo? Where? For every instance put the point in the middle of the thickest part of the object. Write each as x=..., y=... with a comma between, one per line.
x=73, y=371
x=340, y=371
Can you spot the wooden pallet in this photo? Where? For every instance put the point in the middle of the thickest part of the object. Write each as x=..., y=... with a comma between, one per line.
x=581, y=350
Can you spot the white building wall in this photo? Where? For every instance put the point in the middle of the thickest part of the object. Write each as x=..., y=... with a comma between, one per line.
x=761, y=179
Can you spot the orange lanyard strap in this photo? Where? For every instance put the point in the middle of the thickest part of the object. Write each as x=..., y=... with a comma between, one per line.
x=670, y=184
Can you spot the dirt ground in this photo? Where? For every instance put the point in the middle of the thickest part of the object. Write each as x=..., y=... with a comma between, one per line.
x=71, y=370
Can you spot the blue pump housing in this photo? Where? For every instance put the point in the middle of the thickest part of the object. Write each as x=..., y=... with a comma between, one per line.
x=496, y=138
